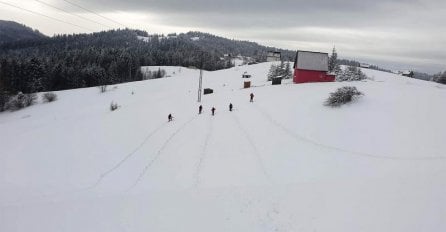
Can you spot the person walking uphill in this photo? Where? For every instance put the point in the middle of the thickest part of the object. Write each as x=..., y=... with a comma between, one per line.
x=213, y=111
x=251, y=97
x=230, y=106
x=169, y=117
x=200, y=109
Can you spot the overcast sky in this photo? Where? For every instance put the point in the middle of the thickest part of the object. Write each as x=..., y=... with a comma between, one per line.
x=395, y=34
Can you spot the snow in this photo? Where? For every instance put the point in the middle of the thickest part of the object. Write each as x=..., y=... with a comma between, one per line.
x=282, y=163
x=195, y=38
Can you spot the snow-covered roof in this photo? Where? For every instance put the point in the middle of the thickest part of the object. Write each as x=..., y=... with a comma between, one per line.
x=314, y=61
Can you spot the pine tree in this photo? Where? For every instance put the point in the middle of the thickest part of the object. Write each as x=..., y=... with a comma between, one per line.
x=288, y=73
x=3, y=95
x=35, y=73
x=351, y=73
x=272, y=72
x=333, y=64
x=440, y=78
x=112, y=72
x=280, y=70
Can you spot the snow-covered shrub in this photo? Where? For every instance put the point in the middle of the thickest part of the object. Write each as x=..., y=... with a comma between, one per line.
x=351, y=73
x=342, y=96
x=21, y=100
x=113, y=106
x=49, y=97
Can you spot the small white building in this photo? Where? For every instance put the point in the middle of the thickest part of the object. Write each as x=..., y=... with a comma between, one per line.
x=273, y=56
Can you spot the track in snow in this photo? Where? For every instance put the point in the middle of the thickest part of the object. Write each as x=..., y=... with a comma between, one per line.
x=333, y=148
x=122, y=161
x=199, y=165
x=159, y=152
x=257, y=156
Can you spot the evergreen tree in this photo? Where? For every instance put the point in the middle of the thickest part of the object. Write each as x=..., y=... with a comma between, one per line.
x=288, y=72
x=440, y=78
x=351, y=73
x=272, y=73
x=333, y=63
x=3, y=95
x=35, y=74
x=281, y=72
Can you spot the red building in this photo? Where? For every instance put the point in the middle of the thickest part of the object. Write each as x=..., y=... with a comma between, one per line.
x=311, y=67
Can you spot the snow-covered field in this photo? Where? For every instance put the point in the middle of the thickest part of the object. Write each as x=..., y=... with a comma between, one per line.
x=282, y=163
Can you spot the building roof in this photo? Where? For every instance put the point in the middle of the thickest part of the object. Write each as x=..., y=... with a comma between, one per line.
x=314, y=61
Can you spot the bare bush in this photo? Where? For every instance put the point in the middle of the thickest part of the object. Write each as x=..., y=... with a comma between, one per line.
x=103, y=88
x=113, y=106
x=154, y=74
x=20, y=101
x=49, y=97
x=342, y=96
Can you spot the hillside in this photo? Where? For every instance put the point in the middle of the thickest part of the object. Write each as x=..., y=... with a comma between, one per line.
x=84, y=60
x=209, y=42
x=282, y=163
x=12, y=32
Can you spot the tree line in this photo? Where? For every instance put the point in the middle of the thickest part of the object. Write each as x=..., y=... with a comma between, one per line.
x=86, y=60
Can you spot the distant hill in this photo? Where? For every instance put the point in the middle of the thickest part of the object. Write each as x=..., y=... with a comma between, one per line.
x=32, y=62
x=11, y=32
x=219, y=44
x=109, y=57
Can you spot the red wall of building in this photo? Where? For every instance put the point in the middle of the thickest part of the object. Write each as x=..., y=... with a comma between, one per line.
x=303, y=76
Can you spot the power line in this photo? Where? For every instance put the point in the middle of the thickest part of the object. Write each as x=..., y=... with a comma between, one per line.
x=81, y=7
x=37, y=13
x=79, y=16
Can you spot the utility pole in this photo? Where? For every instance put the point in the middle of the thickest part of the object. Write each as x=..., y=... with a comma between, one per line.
x=200, y=80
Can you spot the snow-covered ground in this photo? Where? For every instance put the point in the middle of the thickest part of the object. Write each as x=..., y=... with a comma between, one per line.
x=282, y=163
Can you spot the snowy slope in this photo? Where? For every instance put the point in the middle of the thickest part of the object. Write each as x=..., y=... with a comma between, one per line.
x=282, y=163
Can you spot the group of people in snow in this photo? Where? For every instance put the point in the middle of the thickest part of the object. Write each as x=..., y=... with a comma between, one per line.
x=200, y=108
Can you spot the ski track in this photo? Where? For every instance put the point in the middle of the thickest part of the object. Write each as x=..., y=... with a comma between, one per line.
x=199, y=165
x=122, y=161
x=257, y=156
x=159, y=152
x=328, y=147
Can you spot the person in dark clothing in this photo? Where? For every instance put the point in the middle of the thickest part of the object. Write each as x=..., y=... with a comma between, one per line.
x=213, y=111
x=252, y=97
x=230, y=106
x=169, y=117
x=200, y=109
